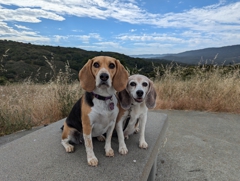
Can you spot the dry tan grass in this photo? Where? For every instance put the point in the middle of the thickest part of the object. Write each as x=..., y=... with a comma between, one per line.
x=26, y=105
x=211, y=91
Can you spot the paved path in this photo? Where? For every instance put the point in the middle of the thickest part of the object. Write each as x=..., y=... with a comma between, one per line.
x=200, y=146
x=40, y=156
x=8, y=138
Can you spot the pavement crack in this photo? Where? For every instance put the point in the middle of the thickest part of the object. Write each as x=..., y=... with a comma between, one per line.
x=196, y=170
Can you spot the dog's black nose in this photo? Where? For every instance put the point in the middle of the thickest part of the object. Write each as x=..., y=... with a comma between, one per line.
x=104, y=77
x=139, y=93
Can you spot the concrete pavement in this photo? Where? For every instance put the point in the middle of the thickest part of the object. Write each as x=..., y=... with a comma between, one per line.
x=8, y=138
x=40, y=156
x=199, y=146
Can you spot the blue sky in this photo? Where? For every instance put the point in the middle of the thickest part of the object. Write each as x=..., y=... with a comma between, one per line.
x=130, y=27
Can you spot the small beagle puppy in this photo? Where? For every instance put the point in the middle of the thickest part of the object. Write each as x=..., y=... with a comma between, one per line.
x=135, y=100
x=96, y=111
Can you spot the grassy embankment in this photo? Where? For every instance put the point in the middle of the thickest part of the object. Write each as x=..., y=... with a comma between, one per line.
x=28, y=104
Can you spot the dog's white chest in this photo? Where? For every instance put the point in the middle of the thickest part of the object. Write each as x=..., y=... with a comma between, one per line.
x=136, y=113
x=138, y=110
x=102, y=116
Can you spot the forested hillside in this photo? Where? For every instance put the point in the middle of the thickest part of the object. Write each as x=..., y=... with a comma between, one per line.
x=21, y=60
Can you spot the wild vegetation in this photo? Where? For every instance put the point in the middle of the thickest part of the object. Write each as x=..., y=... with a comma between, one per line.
x=27, y=104
x=22, y=60
x=203, y=88
x=30, y=102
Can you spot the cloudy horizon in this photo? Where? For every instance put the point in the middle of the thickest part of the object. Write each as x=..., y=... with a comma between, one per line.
x=126, y=26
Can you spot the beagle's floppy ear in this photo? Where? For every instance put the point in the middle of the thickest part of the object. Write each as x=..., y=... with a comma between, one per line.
x=124, y=99
x=151, y=96
x=87, y=80
x=120, y=78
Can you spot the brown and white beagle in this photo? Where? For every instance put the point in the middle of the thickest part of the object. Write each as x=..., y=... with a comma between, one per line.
x=96, y=111
x=135, y=100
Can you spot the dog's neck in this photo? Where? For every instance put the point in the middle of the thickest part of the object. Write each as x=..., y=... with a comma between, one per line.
x=104, y=92
x=103, y=98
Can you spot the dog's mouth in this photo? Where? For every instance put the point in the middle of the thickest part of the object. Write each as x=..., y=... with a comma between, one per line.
x=103, y=84
x=138, y=99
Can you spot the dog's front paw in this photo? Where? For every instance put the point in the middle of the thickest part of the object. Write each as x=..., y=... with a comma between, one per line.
x=123, y=150
x=143, y=144
x=93, y=161
x=110, y=153
x=101, y=138
x=69, y=148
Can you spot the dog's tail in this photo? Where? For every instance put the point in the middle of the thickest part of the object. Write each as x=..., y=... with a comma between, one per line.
x=76, y=137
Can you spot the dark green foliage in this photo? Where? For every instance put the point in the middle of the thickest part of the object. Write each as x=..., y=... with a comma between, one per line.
x=3, y=80
x=21, y=60
x=24, y=60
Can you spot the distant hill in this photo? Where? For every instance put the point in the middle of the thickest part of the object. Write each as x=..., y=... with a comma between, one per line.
x=149, y=55
x=223, y=55
x=19, y=61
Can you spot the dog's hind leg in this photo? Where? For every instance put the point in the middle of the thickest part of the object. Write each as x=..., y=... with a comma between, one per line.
x=66, y=137
x=137, y=129
x=101, y=138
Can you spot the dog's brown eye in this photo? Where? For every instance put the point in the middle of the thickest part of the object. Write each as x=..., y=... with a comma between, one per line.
x=144, y=84
x=133, y=84
x=96, y=65
x=111, y=66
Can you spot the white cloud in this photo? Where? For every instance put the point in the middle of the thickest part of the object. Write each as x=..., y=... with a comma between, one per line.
x=82, y=38
x=77, y=30
x=204, y=19
x=27, y=39
x=59, y=38
x=132, y=30
x=104, y=46
x=81, y=8
x=214, y=24
x=5, y=29
x=215, y=15
x=107, y=44
x=155, y=37
x=9, y=33
x=27, y=15
x=22, y=27
x=86, y=38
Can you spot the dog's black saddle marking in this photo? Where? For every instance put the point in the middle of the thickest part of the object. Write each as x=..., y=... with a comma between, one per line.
x=74, y=118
